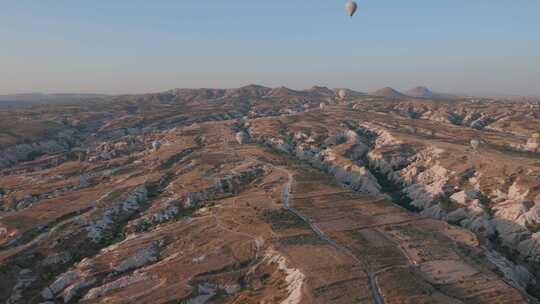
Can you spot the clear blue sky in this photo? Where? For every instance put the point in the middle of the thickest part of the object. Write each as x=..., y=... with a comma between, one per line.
x=120, y=46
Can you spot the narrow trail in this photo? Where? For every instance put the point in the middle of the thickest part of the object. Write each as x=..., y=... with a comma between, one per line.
x=257, y=241
x=372, y=281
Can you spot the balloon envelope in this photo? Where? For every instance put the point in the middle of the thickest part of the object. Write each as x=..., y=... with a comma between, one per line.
x=351, y=8
x=342, y=94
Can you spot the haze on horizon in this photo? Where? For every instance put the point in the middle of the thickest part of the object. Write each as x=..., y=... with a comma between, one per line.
x=137, y=46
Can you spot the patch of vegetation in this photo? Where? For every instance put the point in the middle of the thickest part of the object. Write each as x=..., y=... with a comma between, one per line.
x=111, y=236
x=394, y=190
x=514, y=152
x=534, y=228
x=123, y=170
x=183, y=213
x=34, y=154
x=282, y=219
x=341, y=140
x=4, y=269
x=167, y=164
x=317, y=292
x=301, y=239
x=368, y=137
x=239, y=265
x=445, y=203
x=115, y=195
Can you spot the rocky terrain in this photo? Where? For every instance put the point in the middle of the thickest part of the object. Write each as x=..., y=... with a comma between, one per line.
x=271, y=195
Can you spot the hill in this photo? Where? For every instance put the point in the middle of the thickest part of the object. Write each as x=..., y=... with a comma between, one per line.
x=387, y=92
x=419, y=92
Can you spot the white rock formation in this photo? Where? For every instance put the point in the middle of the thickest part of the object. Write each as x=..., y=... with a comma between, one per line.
x=96, y=228
x=517, y=275
x=426, y=186
x=143, y=257
x=22, y=152
x=242, y=137
x=294, y=277
x=68, y=284
x=122, y=282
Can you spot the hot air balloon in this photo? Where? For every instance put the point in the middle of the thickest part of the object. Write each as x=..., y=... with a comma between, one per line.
x=475, y=143
x=156, y=145
x=351, y=8
x=533, y=143
x=342, y=94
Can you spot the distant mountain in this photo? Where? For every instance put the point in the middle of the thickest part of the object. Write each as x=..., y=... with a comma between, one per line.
x=35, y=97
x=251, y=90
x=350, y=93
x=387, y=92
x=193, y=94
x=284, y=92
x=29, y=99
x=419, y=92
x=318, y=91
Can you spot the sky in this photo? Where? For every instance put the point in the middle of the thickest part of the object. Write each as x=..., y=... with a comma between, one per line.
x=136, y=46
